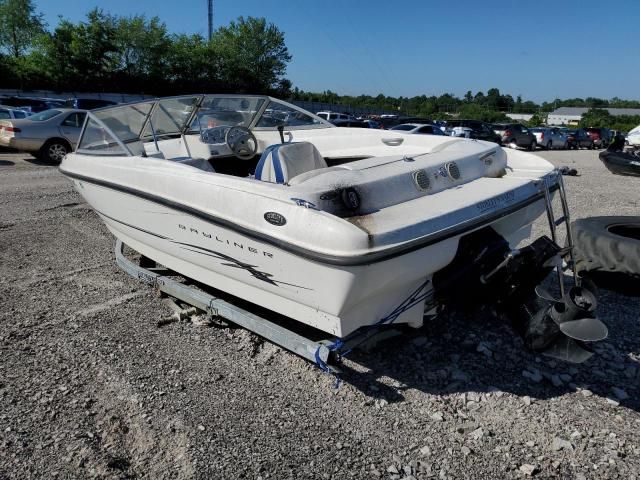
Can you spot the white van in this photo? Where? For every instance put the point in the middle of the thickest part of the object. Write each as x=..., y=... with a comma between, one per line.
x=331, y=116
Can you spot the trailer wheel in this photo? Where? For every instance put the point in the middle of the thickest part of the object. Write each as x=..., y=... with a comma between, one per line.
x=607, y=244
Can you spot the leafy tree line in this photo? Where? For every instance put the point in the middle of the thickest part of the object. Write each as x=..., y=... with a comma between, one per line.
x=488, y=107
x=598, y=117
x=137, y=55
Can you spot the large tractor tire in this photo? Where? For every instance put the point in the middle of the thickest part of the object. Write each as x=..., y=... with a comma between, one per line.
x=608, y=248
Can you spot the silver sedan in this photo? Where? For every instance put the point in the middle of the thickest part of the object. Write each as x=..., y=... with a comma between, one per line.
x=49, y=135
x=550, y=137
x=419, y=128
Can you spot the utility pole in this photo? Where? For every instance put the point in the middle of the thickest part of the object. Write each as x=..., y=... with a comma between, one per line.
x=210, y=19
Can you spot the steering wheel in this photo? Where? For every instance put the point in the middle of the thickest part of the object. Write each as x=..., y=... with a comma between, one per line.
x=242, y=142
x=214, y=135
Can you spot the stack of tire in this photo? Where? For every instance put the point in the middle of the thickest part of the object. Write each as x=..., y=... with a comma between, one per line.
x=607, y=250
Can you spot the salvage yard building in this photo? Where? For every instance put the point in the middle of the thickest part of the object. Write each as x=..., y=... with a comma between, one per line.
x=572, y=115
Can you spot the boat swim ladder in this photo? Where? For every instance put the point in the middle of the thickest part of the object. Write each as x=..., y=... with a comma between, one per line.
x=555, y=223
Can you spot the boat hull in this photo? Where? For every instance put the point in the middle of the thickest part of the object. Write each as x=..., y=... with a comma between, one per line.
x=621, y=163
x=336, y=299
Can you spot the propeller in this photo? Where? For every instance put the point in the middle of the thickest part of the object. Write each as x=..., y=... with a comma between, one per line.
x=588, y=329
x=574, y=314
x=568, y=350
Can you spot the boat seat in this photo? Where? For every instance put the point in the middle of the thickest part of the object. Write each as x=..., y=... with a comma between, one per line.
x=284, y=161
x=199, y=163
x=303, y=177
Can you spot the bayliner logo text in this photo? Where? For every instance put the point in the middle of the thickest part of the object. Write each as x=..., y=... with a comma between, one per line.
x=495, y=202
x=230, y=243
x=229, y=261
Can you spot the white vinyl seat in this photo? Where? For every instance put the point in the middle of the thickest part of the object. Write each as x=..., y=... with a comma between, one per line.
x=281, y=162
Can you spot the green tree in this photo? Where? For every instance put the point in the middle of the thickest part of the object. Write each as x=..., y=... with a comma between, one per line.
x=191, y=65
x=83, y=55
x=140, y=55
x=493, y=98
x=252, y=54
x=596, y=117
x=7, y=71
x=20, y=25
x=479, y=112
x=536, y=120
x=517, y=106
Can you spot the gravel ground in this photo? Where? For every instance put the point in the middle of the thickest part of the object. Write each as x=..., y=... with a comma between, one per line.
x=91, y=387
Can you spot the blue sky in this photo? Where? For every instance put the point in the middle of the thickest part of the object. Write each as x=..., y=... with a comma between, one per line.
x=540, y=50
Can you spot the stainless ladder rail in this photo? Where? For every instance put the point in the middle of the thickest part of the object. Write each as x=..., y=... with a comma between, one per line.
x=554, y=223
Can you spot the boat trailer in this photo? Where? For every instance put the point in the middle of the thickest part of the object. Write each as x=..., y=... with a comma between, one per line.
x=217, y=307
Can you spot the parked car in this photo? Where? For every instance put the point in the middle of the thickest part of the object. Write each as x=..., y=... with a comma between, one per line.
x=550, y=137
x=49, y=135
x=617, y=133
x=331, y=116
x=372, y=123
x=8, y=113
x=440, y=123
x=350, y=123
x=419, y=128
x=87, y=103
x=601, y=136
x=30, y=104
x=515, y=135
x=579, y=138
x=389, y=122
x=475, y=128
x=459, y=132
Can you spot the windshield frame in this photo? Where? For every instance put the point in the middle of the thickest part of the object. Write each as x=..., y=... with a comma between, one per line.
x=185, y=128
x=322, y=123
x=188, y=130
x=125, y=149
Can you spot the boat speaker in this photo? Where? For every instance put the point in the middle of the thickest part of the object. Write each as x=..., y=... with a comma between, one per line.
x=421, y=178
x=453, y=170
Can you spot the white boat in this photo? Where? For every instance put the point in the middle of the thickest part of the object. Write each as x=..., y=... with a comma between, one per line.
x=336, y=228
x=633, y=137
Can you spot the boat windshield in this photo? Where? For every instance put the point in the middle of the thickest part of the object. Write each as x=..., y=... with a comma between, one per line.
x=279, y=113
x=229, y=110
x=192, y=114
x=263, y=113
x=127, y=121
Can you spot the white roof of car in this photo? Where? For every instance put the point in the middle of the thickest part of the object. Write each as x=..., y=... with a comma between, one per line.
x=416, y=125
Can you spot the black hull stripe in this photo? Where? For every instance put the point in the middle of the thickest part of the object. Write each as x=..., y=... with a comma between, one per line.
x=355, y=260
x=207, y=252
